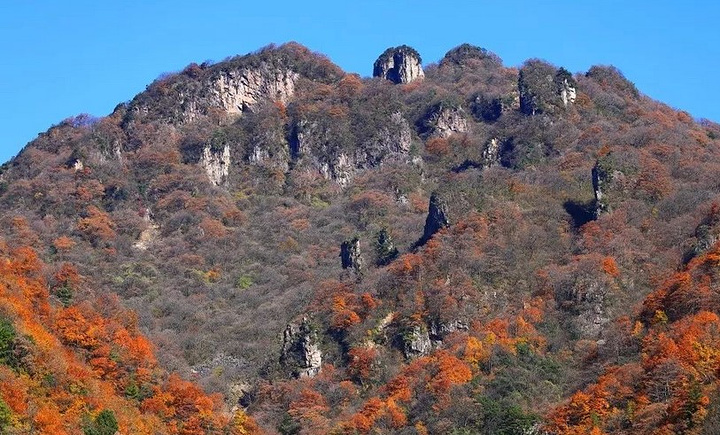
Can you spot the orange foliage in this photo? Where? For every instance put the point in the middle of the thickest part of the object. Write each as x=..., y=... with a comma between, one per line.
x=63, y=243
x=361, y=362
x=101, y=359
x=680, y=362
x=437, y=146
x=97, y=226
x=610, y=267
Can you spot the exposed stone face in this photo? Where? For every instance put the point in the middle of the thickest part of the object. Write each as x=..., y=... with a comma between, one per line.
x=601, y=176
x=588, y=299
x=301, y=350
x=544, y=89
x=399, y=65
x=439, y=330
x=567, y=93
x=149, y=234
x=437, y=218
x=78, y=166
x=491, y=153
x=231, y=92
x=313, y=145
x=443, y=121
x=216, y=164
x=350, y=255
x=416, y=342
x=237, y=91
x=707, y=233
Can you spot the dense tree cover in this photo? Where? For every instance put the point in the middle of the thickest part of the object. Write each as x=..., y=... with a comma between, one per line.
x=80, y=368
x=541, y=306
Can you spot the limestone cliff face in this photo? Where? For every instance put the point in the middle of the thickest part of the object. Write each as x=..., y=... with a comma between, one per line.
x=440, y=330
x=315, y=146
x=416, y=342
x=567, y=92
x=399, y=65
x=350, y=255
x=237, y=91
x=301, y=351
x=707, y=234
x=229, y=92
x=444, y=120
x=602, y=175
x=216, y=164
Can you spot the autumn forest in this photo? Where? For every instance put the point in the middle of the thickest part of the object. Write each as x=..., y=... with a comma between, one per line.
x=269, y=244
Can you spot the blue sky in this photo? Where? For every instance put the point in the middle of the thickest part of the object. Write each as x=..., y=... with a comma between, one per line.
x=60, y=59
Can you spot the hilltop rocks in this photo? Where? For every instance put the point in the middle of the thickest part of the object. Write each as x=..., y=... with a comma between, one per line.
x=237, y=91
x=301, y=351
x=350, y=255
x=544, y=89
x=216, y=163
x=437, y=218
x=566, y=84
x=229, y=91
x=399, y=65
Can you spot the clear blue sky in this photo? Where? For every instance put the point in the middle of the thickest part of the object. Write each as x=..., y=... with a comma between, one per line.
x=62, y=58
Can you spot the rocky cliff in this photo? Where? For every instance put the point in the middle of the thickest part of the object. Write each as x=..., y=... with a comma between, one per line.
x=399, y=65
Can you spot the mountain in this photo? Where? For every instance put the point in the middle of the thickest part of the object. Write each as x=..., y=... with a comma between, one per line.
x=460, y=248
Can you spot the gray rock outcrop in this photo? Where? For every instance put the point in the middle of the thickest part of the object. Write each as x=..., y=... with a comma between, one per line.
x=544, y=89
x=301, y=350
x=216, y=164
x=399, y=65
x=601, y=177
x=314, y=145
x=707, y=233
x=491, y=153
x=416, y=342
x=229, y=92
x=350, y=257
x=237, y=91
x=444, y=120
x=439, y=330
x=437, y=218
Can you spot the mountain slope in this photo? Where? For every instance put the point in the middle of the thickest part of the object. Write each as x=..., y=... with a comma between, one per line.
x=497, y=228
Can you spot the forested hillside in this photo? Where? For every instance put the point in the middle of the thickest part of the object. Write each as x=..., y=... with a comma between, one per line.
x=461, y=247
